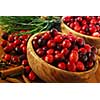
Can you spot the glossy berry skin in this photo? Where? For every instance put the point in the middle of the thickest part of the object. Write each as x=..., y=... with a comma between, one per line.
x=35, y=44
x=77, y=28
x=58, y=38
x=27, y=69
x=71, y=67
x=41, y=42
x=18, y=50
x=73, y=56
x=58, y=56
x=62, y=65
x=83, y=50
x=56, y=52
x=80, y=41
x=11, y=38
x=32, y=76
x=22, y=57
x=87, y=47
x=7, y=57
x=96, y=34
x=3, y=43
x=94, y=49
x=80, y=66
x=17, y=42
x=24, y=62
x=24, y=49
x=64, y=51
x=49, y=58
x=50, y=51
x=66, y=43
x=54, y=32
x=40, y=52
x=90, y=64
x=46, y=36
x=7, y=49
x=51, y=44
x=15, y=59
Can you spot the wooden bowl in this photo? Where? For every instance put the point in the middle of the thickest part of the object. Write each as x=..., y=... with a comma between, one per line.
x=50, y=73
x=89, y=39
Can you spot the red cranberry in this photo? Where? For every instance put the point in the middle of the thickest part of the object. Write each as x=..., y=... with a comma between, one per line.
x=16, y=37
x=49, y=58
x=4, y=36
x=40, y=52
x=71, y=25
x=64, y=51
x=79, y=19
x=7, y=57
x=93, y=21
x=92, y=29
x=32, y=76
x=41, y=42
x=7, y=49
x=80, y=41
x=24, y=49
x=90, y=64
x=67, y=19
x=35, y=45
x=24, y=62
x=59, y=56
x=3, y=43
x=46, y=36
x=73, y=56
x=96, y=34
x=80, y=66
x=12, y=45
x=27, y=69
x=77, y=28
x=53, y=32
x=84, y=22
x=24, y=42
x=58, y=38
x=57, y=51
x=10, y=38
x=17, y=42
x=51, y=44
x=94, y=49
x=88, y=18
x=18, y=50
x=71, y=67
x=84, y=27
x=44, y=48
x=62, y=65
x=66, y=43
x=87, y=47
x=76, y=23
x=15, y=59
x=23, y=37
x=50, y=51
x=83, y=50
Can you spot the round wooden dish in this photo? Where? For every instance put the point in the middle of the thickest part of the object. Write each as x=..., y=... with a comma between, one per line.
x=50, y=73
x=89, y=39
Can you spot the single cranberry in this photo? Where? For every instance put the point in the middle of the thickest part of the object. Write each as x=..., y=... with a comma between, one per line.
x=87, y=47
x=50, y=51
x=27, y=69
x=82, y=32
x=23, y=37
x=17, y=42
x=7, y=57
x=24, y=62
x=62, y=65
x=56, y=51
x=12, y=45
x=15, y=59
x=32, y=76
x=66, y=43
x=41, y=42
x=11, y=38
x=49, y=58
x=71, y=67
x=80, y=66
x=84, y=27
x=79, y=18
x=80, y=41
x=35, y=44
x=46, y=36
x=71, y=25
x=83, y=50
x=22, y=45
x=88, y=18
x=93, y=21
x=53, y=32
x=76, y=23
x=51, y=44
x=67, y=19
x=92, y=29
x=59, y=56
x=71, y=37
x=3, y=43
x=16, y=37
x=24, y=49
x=7, y=49
x=77, y=28
x=24, y=42
x=58, y=38
x=96, y=34
x=64, y=51
x=4, y=36
x=92, y=56
x=90, y=64
x=84, y=22
x=40, y=51
x=44, y=48
x=73, y=56
x=22, y=57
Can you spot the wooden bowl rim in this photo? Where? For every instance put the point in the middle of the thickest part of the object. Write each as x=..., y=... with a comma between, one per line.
x=77, y=33
x=65, y=71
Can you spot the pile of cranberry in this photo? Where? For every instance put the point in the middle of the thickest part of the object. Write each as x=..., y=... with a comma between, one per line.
x=15, y=48
x=88, y=25
x=63, y=51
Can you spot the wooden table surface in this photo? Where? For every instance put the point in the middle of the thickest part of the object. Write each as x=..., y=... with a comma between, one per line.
x=94, y=79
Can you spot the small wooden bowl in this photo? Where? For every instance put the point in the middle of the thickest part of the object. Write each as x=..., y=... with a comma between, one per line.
x=89, y=39
x=50, y=73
